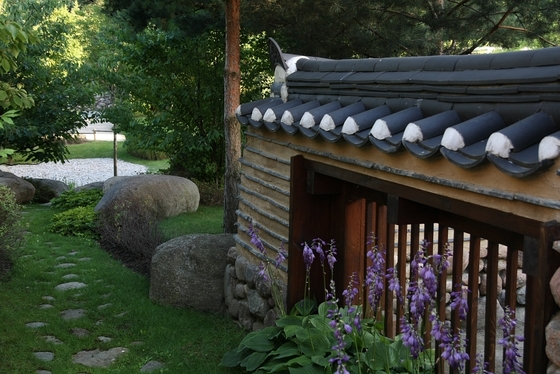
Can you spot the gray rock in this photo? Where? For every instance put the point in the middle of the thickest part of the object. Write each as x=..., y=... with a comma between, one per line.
x=263, y=286
x=163, y=195
x=188, y=272
x=23, y=190
x=98, y=358
x=229, y=284
x=79, y=332
x=65, y=265
x=151, y=366
x=257, y=305
x=47, y=189
x=44, y=356
x=52, y=339
x=91, y=186
x=250, y=273
x=35, y=325
x=70, y=286
x=71, y=314
x=240, y=266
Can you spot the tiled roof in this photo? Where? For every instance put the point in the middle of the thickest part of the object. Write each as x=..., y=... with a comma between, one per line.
x=500, y=108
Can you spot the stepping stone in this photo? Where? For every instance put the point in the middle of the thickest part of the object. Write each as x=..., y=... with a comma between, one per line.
x=73, y=253
x=44, y=356
x=60, y=258
x=70, y=276
x=121, y=314
x=151, y=366
x=70, y=314
x=48, y=298
x=52, y=339
x=35, y=325
x=79, y=332
x=65, y=265
x=43, y=372
x=104, y=306
x=98, y=358
x=46, y=306
x=70, y=286
x=104, y=339
x=85, y=259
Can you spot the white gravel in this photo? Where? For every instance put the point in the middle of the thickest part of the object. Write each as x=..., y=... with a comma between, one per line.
x=76, y=172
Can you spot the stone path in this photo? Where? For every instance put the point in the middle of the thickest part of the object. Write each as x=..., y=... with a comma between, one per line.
x=96, y=358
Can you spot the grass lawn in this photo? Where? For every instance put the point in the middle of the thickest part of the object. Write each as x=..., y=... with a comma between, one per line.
x=186, y=341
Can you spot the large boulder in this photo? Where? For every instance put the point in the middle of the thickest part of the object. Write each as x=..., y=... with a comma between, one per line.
x=164, y=195
x=23, y=190
x=189, y=271
x=47, y=189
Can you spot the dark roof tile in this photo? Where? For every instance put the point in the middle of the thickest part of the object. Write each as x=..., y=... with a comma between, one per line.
x=501, y=107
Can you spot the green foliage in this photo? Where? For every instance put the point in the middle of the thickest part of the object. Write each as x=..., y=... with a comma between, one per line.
x=11, y=229
x=80, y=221
x=74, y=199
x=53, y=74
x=13, y=98
x=302, y=341
x=381, y=28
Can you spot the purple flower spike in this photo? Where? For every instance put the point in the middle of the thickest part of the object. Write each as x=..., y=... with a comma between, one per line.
x=308, y=256
x=253, y=232
x=509, y=342
x=281, y=257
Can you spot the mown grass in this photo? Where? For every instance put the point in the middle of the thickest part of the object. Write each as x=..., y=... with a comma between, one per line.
x=185, y=340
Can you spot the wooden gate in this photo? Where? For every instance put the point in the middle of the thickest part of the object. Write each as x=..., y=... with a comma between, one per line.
x=332, y=203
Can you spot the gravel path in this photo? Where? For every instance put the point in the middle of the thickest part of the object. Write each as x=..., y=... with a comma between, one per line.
x=76, y=171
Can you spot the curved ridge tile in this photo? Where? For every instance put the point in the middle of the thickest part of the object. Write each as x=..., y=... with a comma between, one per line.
x=465, y=143
x=422, y=138
x=257, y=113
x=331, y=123
x=272, y=116
x=290, y=117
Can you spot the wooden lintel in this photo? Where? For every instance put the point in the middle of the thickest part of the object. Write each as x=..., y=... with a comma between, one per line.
x=320, y=184
x=402, y=211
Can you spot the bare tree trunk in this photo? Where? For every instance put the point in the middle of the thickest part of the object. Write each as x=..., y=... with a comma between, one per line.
x=232, y=77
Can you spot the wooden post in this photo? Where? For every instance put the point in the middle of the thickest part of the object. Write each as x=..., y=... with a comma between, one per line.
x=115, y=146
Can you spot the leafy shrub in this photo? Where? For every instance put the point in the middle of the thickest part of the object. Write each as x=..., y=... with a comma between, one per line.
x=211, y=193
x=73, y=199
x=79, y=221
x=131, y=234
x=12, y=230
x=135, y=149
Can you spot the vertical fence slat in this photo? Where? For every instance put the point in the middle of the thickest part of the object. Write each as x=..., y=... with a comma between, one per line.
x=443, y=239
x=491, y=307
x=401, y=272
x=472, y=318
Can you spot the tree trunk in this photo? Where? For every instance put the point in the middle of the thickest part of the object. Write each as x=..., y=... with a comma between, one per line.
x=232, y=77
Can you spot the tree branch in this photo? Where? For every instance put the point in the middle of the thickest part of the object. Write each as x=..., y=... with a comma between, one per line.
x=492, y=31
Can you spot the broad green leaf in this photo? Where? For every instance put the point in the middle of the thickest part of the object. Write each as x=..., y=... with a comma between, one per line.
x=288, y=320
x=301, y=361
x=313, y=343
x=254, y=360
x=312, y=369
x=3, y=95
x=258, y=343
x=321, y=323
x=321, y=361
x=287, y=349
x=292, y=330
x=232, y=358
